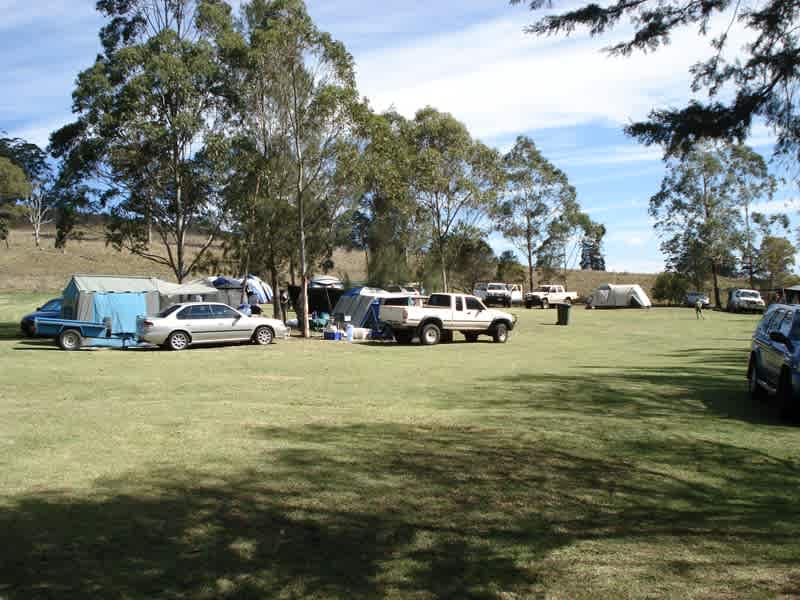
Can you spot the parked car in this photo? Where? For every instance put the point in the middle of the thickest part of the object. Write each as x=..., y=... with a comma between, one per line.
x=493, y=293
x=442, y=314
x=192, y=323
x=692, y=298
x=50, y=309
x=774, y=358
x=548, y=295
x=740, y=300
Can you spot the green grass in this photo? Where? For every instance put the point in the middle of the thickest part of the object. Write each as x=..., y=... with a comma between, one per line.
x=615, y=458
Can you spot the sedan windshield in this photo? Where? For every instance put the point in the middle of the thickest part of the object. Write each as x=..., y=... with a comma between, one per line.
x=746, y=294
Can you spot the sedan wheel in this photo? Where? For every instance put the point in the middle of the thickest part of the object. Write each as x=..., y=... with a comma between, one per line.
x=263, y=336
x=177, y=340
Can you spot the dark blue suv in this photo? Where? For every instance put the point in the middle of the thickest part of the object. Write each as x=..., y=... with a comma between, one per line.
x=775, y=356
x=51, y=309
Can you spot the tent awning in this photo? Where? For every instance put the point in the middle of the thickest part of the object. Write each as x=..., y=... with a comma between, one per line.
x=192, y=288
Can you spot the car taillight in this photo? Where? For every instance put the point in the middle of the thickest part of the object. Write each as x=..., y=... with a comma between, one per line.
x=147, y=324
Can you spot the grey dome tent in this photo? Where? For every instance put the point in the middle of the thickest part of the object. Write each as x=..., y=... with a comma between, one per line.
x=624, y=295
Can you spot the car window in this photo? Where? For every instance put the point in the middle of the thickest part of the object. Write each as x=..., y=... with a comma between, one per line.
x=202, y=311
x=221, y=311
x=474, y=304
x=168, y=311
x=785, y=326
x=459, y=304
x=775, y=321
x=439, y=300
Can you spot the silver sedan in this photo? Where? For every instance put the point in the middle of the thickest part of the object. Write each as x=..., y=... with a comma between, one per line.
x=190, y=323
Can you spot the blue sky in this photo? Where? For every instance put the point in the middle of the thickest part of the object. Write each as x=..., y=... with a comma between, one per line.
x=467, y=57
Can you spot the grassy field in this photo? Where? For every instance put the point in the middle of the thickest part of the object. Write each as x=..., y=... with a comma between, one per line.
x=615, y=458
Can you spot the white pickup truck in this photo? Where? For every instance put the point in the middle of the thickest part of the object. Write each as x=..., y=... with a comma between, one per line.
x=547, y=295
x=442, y=314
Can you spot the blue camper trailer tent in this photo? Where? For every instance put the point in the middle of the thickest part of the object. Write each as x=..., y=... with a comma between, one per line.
x=95, y=298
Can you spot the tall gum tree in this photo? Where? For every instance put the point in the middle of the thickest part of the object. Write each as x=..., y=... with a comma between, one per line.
x=537, y=202
x=144, y=129
x=699, y=210
x=313, y=86
x=456, y=180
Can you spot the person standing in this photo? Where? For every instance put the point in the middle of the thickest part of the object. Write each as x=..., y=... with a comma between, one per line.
x=698, y=309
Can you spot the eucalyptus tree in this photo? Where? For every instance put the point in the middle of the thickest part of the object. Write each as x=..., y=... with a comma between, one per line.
x=389, y=226
x=456, y=180
x=700, y=206
x=312, y=87
x=538, y=204
x=761, y=83
x=14, y=185
x=144, y=132
x=39, y=203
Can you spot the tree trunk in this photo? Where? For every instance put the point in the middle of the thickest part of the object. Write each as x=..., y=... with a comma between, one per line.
x=179, y=222
x=303, y=265
x=716, y=283
x=530, y=267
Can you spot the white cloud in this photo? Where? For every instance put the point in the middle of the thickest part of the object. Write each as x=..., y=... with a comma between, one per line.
x=501, y=81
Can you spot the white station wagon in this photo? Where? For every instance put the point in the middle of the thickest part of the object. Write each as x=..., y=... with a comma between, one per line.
x=191, y=323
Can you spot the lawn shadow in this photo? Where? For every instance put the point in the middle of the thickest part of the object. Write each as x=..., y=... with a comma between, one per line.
x=10, y=331
x=366, y=511
x=714, y=380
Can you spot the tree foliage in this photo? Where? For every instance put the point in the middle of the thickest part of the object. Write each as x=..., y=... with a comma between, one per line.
x=762, y=84
x=539, y=206
x=700, y=206
x=670, y=287
x=145, y=132
x=456, y=180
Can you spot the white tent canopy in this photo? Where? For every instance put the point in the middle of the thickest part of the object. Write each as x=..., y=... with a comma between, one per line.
x=626, y=295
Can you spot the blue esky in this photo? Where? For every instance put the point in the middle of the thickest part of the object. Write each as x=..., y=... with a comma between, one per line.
x=468, y=57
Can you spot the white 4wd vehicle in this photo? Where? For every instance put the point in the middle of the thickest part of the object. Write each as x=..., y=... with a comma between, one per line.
x=442, y=314
x=493, y=293
x=545, y=295
x=745, y=301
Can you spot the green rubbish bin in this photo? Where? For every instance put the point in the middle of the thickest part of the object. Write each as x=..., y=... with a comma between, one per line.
x=563, y=314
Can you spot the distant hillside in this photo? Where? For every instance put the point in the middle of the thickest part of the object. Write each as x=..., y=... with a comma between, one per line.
x=24, y=268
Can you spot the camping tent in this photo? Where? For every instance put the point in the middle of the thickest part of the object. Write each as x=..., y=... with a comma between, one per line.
x=620, y=296
x=362, y=305
x=122, y=299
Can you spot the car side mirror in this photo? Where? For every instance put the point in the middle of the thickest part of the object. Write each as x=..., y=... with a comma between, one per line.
x=777, y=336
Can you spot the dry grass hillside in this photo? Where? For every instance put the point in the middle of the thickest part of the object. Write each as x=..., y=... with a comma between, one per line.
x=24, y=268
